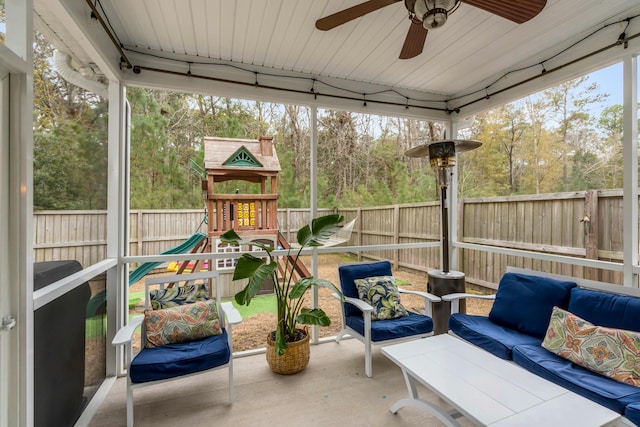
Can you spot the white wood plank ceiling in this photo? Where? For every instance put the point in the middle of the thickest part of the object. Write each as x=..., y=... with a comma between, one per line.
x=473, y=50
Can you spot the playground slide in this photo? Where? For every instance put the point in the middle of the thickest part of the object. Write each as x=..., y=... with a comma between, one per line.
x=144, y=268
x=300, y=269
x=96, y=303
x=175, y=267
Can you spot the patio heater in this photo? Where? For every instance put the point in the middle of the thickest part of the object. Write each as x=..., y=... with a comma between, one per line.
x=442, y=157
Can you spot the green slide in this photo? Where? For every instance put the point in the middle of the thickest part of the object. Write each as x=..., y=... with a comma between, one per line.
x=144, y=268
x=96, y=303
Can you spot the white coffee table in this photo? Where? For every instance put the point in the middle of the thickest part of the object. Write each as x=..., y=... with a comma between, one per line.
x=487, y=390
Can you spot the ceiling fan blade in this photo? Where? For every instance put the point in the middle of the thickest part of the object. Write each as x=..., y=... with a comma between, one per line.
x=414, y=42
x=346, y=15
x=518, y=11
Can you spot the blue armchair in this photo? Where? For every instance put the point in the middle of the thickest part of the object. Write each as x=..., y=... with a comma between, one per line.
x=357, y=314
x=185, y=331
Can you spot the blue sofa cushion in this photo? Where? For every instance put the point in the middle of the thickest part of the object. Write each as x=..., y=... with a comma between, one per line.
x=348, y=273
x=607, y=392
x=174, y=360
x=400, y=327
x=606, y=309
x=632, y=412
x=494, y=338
x=525, y=302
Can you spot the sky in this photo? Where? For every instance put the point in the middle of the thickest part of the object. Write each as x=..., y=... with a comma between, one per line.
x=610, y=81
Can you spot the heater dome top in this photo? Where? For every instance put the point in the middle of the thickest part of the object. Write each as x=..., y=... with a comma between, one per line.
x=461, y=145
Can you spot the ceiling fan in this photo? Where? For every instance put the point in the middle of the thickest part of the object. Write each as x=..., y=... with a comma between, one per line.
x=431, y=14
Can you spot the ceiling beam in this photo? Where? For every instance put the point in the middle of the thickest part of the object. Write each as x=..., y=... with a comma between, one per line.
x=74, y=15
x=265, y=84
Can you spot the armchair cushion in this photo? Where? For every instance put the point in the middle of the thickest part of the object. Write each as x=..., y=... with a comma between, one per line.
x=614, y=353
x=382, y=294
x=174, y=360
x=349, y=272
x=181, y=323
x=525, y=302
x=401, y=327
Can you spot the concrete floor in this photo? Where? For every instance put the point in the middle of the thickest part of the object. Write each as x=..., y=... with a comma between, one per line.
x=331, y=391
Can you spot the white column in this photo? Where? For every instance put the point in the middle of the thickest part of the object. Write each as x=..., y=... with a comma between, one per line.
x=117, y=221
x=630, y=186
x=313, y=158
x=452, y=200
x=19, y=40
x=9, y=304
x=313, y=204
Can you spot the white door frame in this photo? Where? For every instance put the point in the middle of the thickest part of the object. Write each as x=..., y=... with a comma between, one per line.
x=16, y=206
x=16, y=246
x=7, y=336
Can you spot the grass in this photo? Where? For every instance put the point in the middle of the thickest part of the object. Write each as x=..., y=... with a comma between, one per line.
x=135, y=295
x=260, y=304
x=96, y=327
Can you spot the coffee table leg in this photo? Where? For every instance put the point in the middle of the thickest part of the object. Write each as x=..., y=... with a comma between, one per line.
x=415, y=401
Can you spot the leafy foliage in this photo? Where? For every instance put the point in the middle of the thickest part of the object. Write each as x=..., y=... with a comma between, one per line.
x=547, y=142
x=70, y=140
x=289, y=295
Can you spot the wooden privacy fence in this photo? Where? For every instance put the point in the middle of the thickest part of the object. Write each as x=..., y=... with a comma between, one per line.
x=81, y=235
x=586, y=224
x=580, y=224
x=382, y=225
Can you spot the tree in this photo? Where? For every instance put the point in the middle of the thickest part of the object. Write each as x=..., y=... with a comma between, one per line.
x=339, y=155
x=569, y=101
x=536, y=145
x=70, y=140
x=583, y=166
x=611, y=122
x=293, y=148
x=504, y=133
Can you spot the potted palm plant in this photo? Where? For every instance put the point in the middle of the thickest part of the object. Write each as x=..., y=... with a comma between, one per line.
x=288, y=344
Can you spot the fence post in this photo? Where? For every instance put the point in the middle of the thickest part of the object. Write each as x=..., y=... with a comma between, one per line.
x=359, y=229
x=590, y=223
x=288, y=225
x=396, y=235
x=458, y=254
x=140, y=232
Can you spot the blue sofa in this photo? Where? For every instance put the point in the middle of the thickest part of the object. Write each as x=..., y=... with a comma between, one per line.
x=517, y=324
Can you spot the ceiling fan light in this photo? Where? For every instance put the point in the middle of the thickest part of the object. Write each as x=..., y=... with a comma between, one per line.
x=422, y=7
x=433, y=13
x=435, y=18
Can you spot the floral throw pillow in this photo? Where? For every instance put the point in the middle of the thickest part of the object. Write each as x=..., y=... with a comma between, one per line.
x=382, y=294
x=181, y=323
x=178, y=295
x=614, y=353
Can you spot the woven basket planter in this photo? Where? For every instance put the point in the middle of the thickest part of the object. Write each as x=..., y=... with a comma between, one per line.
x=294, y=360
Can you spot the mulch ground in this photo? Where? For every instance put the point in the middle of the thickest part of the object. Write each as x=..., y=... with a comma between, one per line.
x=252, y=332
